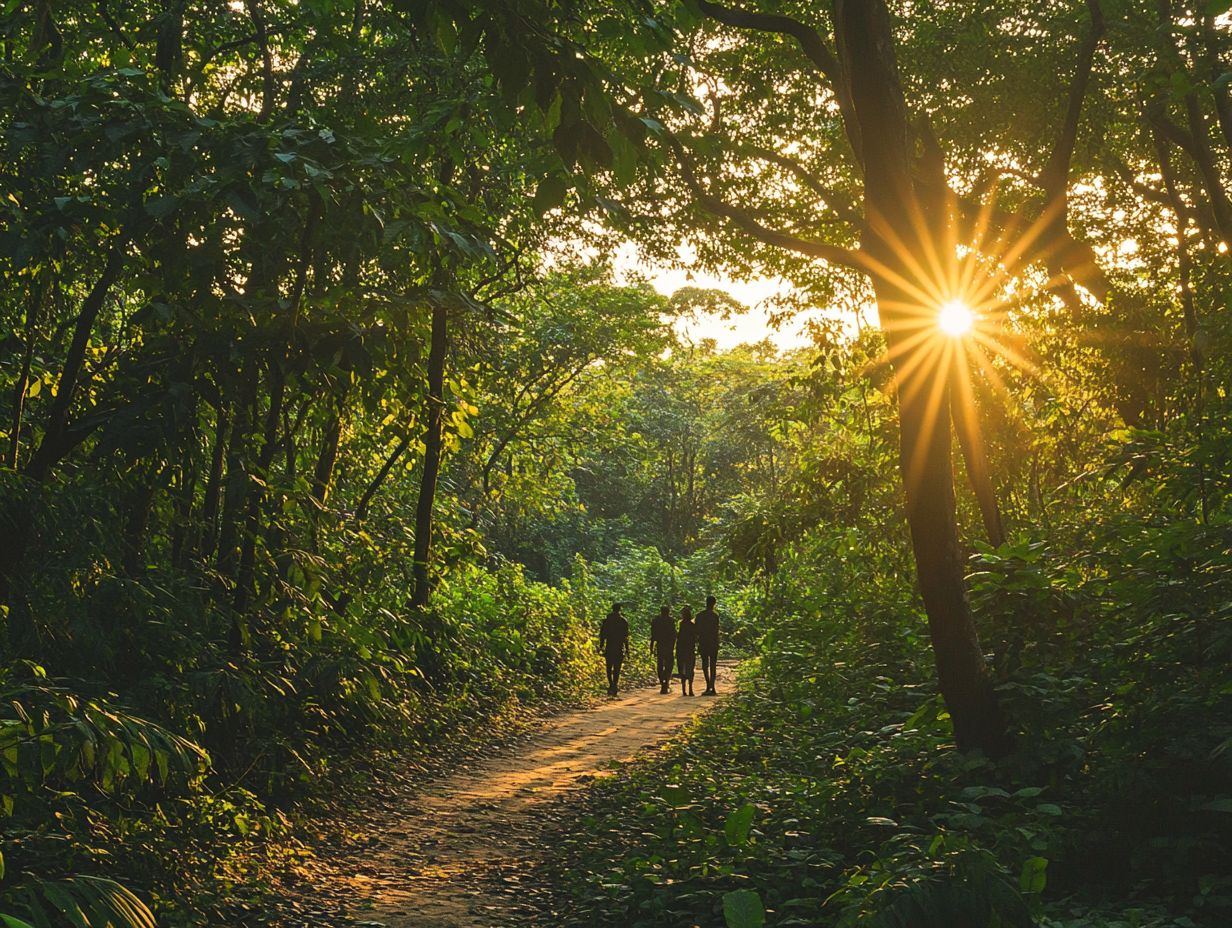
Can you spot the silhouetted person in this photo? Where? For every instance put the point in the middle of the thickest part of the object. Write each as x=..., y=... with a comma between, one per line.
x=686, y=650
x=708, y=644
x=663, y=645
x=614, y=643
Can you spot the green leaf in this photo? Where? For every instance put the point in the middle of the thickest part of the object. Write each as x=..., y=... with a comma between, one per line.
x=675, y=795
x=1217, y=7
x=550, y=194
x=1034, y=876
x=739, y=824
x=743, y=909
x=161, y=207
x=243, y=203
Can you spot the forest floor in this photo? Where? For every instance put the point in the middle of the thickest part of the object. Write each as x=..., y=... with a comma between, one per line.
x=462, y=850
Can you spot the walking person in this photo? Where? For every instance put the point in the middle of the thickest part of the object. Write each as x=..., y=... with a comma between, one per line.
x=663, y=645
x=708, y=644
x=686, y=650
x=614, y=643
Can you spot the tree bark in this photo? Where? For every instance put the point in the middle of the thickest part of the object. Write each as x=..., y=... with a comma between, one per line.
x=1189, y=309
x=169, y=51
x=255, y=495
x=899, y=228
x=361, y=511
x=323, y=473
x=965, y=417
x=432, y=455
x=1196, y=142
x=34, y=308
x=1215, y=68
x=235, y=486
x=213, y=485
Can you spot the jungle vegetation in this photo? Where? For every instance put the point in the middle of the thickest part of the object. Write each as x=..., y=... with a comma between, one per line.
x=328, y=428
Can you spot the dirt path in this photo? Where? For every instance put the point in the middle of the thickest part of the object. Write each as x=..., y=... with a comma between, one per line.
x=459, y=855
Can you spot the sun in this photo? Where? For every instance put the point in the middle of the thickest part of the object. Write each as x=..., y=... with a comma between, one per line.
x=955, y=318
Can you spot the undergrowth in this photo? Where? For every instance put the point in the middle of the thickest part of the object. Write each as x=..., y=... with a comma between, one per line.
x=828, y=791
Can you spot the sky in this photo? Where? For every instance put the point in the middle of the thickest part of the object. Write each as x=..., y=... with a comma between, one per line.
x=752, y=326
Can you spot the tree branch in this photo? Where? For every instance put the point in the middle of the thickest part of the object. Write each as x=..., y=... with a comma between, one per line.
x=1055, y=176
x=839, y=202
x=113, y=25
x=810, y=42
x=1196, y=142
x=809, y=39
x=742, y=219
x=1187, y=210
x=267, y=59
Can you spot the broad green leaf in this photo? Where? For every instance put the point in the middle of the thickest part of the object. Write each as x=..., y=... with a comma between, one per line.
x=743, y=909
x=739, y=824
x=1034, y=875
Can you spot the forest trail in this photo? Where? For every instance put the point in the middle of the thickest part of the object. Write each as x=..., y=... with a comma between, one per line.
x=458, y=854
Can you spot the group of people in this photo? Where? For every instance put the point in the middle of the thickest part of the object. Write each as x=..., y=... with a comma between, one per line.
x=669, y=644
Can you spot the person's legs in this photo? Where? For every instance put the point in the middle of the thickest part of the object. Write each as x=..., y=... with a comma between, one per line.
x=611, y=675
x=709, y=670
x=665, y=670
x=616, y=664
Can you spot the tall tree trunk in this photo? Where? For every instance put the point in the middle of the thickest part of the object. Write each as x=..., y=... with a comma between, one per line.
x=213, y=484
x=897, y=224
x=965, y=416
x=245, y=575
x=235, y=486
x=169, y=51
x=34, y=306
x=323, y=473
x=1216, y=67
x=1189, y=310
x=432, y=454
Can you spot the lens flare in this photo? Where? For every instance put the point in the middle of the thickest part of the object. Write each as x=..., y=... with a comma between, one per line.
x=955, y=318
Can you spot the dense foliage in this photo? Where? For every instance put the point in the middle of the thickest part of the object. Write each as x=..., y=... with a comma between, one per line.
x=829, y=792
x=320, y=440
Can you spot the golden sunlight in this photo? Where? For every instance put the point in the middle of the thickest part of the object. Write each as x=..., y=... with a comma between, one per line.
x=955, y=318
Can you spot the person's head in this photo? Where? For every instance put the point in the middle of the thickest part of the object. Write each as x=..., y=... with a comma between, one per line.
x=710, y=601
x=616, y=607
x=686, y=614
x=665, y=611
